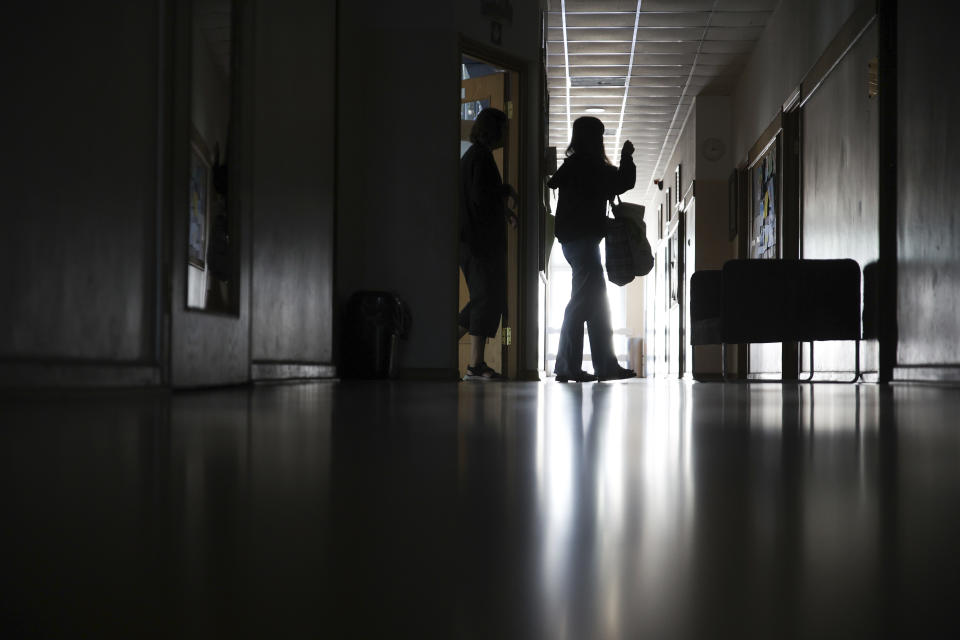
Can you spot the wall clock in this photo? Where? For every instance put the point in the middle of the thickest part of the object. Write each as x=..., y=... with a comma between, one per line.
x=713, y=149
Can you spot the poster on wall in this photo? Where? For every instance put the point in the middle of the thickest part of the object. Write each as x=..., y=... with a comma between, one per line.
x=199, y=204
x=763, y=184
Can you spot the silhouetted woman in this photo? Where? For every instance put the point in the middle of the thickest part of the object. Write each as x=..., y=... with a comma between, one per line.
x=587, y=181
x=483, y=238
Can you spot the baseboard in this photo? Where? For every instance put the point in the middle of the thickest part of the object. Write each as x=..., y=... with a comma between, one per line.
x=77, y=374
x=708, y=377
x=948, y=374
x=529, y=375
x=437, y=374
x=265, y=371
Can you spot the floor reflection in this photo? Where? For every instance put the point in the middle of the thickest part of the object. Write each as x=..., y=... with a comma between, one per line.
x=616, y=508
x=640, y=509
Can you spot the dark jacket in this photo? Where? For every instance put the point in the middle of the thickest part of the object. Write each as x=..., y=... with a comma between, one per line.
x=585, y=187
x=482, y=218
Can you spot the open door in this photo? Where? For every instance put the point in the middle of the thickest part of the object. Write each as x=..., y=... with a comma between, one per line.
x=689, y=253
x=484, y=84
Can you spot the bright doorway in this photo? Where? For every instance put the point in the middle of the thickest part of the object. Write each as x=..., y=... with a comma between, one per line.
x=626, y=309
x=487, y=84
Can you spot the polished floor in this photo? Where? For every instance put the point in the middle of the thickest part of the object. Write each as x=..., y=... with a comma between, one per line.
x=639, y=509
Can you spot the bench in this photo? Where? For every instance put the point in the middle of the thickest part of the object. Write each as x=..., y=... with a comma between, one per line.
x=763, y=301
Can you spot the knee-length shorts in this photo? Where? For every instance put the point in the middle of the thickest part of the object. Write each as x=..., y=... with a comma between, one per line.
x=486, y=278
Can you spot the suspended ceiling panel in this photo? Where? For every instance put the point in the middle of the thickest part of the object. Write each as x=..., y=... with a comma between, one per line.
x=642, y=63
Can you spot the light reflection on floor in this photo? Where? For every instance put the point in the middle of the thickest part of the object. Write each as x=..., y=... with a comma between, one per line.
x=637, y=509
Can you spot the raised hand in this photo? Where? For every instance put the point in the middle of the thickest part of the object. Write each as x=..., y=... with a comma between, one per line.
x=627, y=149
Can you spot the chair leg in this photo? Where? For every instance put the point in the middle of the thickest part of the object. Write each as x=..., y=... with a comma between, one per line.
x=809, y=378
x=857, y=374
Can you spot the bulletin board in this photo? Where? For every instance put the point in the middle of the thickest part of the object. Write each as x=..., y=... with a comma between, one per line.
x=765, y=204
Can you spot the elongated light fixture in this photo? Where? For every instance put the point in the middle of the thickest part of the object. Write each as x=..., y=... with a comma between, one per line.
x=626, y=84
x=566, y=63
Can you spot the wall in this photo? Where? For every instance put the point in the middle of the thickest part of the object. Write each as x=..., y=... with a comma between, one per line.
x=685, y=154
x=396, y=209
x=662, y=339
x=840, y=173
x=709, y=248
x=78, y=173
x=95, y=149
x=293, y=189
x=841, y=164
x=210, y=93
x=91, y=190
x=797, y=33
x=928, y=192
x=714, y=121
x=398, y=163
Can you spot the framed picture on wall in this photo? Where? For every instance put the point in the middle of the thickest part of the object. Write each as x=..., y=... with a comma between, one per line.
x=678, y=191
x=764, y=208
x=199, y=207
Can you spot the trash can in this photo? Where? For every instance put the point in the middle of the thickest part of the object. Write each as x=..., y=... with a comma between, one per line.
x=375, y=322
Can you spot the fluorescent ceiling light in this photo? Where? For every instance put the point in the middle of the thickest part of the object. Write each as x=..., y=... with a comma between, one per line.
x=626, y=84
x=595, y=110
x=598, y=81
x=566, y=63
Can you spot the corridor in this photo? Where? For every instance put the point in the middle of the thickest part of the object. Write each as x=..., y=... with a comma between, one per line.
x=656, y=509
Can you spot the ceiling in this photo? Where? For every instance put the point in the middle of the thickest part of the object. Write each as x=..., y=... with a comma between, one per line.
x=643, y=62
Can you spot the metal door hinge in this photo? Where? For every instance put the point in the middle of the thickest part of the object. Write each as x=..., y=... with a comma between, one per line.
x=507, y=337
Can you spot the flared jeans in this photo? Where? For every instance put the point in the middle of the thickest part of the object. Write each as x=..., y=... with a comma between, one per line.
x=588, y=303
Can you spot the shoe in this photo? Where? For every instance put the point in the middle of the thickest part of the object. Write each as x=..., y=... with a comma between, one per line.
x=582, y=376
x=482, y=373
x=618, y=374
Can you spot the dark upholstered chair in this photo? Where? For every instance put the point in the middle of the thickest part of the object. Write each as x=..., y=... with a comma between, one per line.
x=757, y=301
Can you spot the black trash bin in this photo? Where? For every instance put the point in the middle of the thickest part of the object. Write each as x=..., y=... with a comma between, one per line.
x=375, y=322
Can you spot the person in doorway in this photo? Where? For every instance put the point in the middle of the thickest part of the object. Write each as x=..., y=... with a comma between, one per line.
x=586, y=181
x=483, y=238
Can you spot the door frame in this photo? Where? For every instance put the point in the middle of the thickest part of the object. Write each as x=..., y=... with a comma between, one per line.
x=518, y=313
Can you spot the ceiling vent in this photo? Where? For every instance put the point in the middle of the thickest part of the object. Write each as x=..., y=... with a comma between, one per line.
x=596, y=81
